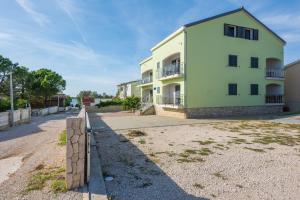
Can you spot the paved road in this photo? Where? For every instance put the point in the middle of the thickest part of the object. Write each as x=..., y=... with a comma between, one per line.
x=32, y=144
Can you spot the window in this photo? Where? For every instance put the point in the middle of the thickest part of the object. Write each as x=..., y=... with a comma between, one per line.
x=254, y=62
x=229, y=30
x=232, y=89
x=254, y=89
x=240, y=32
x=158, y=90
x=248, y=34
x=255, y=34
x=158, y=65
x=232, y=61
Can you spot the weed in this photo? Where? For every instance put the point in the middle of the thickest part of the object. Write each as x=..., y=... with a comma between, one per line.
x=62, y=140
x=189, y=160
x=219, y=175
x=59, y=186
x=256, y=150
x=197, y=185
x=205, y=142
x=39, y=179
x=142, y=141
x=136, y=133
x=126, y=161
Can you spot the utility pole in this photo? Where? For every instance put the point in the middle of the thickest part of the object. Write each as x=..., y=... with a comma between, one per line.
x=11, y=98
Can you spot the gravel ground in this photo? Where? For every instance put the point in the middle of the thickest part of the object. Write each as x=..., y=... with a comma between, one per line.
x=36, y=144
x=206, y=160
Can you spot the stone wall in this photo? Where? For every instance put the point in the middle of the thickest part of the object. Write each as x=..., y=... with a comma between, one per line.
x=232, y=111
x=75, y=164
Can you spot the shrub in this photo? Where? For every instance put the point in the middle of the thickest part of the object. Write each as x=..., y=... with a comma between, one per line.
x=4, y=104
x=113, y=102
x=21, y=103
x=132, y=103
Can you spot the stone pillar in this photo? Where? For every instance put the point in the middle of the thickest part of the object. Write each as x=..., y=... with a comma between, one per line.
x=75, y=164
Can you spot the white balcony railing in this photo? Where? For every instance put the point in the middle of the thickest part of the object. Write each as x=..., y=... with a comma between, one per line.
x=274, y=99
x=177, y=100
x=171, y=69
x=274, y=73
x=146, y=80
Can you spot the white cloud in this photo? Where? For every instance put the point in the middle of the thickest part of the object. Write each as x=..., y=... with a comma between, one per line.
x=28, y=7
x=283, y=20
x=71, y=10
x=292, y=37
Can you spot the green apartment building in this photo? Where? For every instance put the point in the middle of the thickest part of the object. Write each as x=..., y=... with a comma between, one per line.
x=229, y=64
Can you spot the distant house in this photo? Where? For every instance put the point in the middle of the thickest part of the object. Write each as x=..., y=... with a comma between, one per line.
x=292, y=86
x=128, y=89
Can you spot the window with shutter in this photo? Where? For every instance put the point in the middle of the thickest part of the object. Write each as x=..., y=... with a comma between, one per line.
x=240, y=32
x=229, y=30
x=255, y=34
x=232, y=60
x=248, y=34
x=232, y=89
x=254, y=89
x=254, y=62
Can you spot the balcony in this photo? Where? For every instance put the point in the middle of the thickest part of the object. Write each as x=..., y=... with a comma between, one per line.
x=171, y=97
x=274, y=94
x=146, y=80
x=171, y=71
x=274, y=73
x=274, y=69
x=274, y=99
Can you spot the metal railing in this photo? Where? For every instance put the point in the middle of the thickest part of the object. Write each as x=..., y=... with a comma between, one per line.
x=145, y=80
x=274, y=99
x=274, y=73
x=177, y=100
x=147, y=99
x=171, y=69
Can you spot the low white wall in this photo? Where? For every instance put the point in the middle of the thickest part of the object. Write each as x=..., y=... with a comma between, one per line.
x=44, y=111
x=53, y=109
x=20, y=116
x=17, y=116
x=4, y=119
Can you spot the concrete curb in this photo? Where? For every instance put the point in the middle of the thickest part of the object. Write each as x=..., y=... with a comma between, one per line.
x=96, y=185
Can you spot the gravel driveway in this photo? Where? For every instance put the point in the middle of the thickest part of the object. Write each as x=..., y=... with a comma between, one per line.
x=198, y=159
x=33, y=145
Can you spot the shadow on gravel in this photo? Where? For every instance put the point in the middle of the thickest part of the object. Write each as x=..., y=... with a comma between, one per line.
x=30, y=128
x=136, y=176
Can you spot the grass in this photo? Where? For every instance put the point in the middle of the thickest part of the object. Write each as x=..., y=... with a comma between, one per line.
x=136, y=133
x=58, y=186
x=197, y=185
x=254, y=149
x=205, y=142
x=62, y=140
x=39, y=180
x=142, y=141
x=219, y=175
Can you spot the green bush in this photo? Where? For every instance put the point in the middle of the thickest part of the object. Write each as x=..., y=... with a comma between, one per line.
x=132, y=103
x=21, y=103
x=4, y=104
x=113, y=102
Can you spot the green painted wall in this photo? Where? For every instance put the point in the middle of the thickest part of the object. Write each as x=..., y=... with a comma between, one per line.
x=207, y=73
x=175, y=45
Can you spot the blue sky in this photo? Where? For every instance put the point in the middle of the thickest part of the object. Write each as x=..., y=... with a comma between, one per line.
x=96, y=44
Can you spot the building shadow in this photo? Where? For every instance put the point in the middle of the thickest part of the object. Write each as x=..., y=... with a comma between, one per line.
x=136, y=175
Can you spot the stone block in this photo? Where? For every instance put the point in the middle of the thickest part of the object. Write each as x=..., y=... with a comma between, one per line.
x=69, y=166
x=69, y=181
x=74, y=139
x=75, y=148
x=69, y=149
